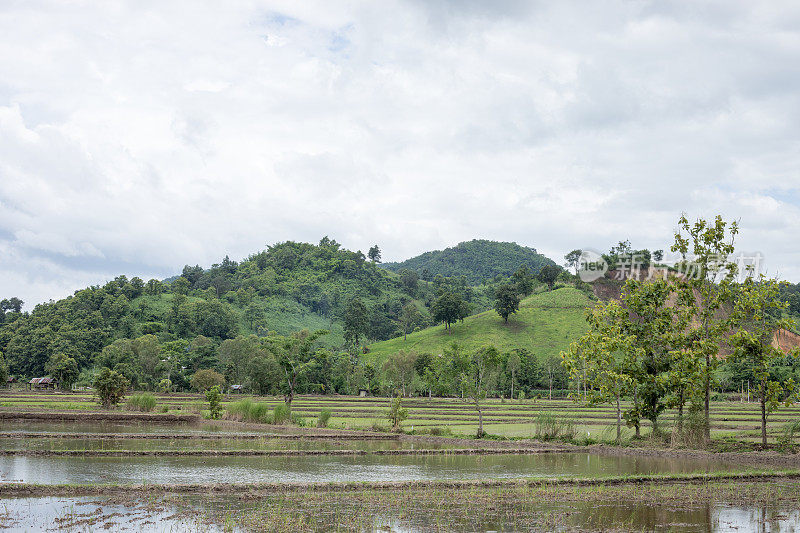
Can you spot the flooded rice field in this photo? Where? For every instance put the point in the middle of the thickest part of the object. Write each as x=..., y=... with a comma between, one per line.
x=250, y=442
x=317, y=469
x=92, y=513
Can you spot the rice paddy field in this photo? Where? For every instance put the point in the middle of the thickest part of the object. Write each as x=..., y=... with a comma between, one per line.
x=502, y=418
x=67, y=465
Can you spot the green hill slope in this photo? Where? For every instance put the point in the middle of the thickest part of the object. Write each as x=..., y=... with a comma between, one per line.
x=545, y=324
x=476, y=260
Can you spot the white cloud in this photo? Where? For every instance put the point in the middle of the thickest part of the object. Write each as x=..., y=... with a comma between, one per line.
x=136, y=137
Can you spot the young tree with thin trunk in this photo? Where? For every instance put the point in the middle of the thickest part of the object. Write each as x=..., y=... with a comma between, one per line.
x=296, y=357
x=481, y=373
x=758, y=312
x=513, y=365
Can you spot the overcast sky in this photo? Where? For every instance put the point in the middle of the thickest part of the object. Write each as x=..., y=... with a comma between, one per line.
x=138, y=137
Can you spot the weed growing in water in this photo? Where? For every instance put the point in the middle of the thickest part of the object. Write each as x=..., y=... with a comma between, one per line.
x=144, y=402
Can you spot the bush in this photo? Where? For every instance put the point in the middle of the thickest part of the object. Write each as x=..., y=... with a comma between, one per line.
x=144, y=402
x=323, y=418
x=281, y=414
x=437, y=431
x=250, y=411
x=397, y=413
x=165, y=386
x=110, y=385
x=214, y=399
x=551, y=427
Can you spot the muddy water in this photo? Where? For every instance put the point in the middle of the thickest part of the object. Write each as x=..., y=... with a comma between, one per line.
x=59, y=444
x=93, y=514
x=56, y=426
x=59, y=469
x=97, y=513
x=709, y=517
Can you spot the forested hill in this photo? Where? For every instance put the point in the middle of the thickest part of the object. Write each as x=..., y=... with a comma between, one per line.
x=288, y=287
x=476, y=260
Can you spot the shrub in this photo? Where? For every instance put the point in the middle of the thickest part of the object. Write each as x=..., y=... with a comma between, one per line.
x=214, y=399
x=110, y=385
x=250, y=411
x=437, y=431
x=397, y=413
x=551, y=427
x=165, y=386
x=521, y=395
x=323, y=418
x=144, y=402
x=281, y=414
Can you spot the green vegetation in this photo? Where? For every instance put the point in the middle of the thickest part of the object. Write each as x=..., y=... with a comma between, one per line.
x=110, y=386
x=247, y=410
x=660, y=343
x=214, y=399
x=323, y=418
x=477, y=261
x=144, y=402
x=545, y=325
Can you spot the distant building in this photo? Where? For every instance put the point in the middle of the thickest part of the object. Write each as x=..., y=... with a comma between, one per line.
x=42, y=383
x=237, y=389
x=363, y=392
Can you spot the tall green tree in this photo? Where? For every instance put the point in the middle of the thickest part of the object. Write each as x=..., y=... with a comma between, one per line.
x=606, y=356
x=506, y=301
x=356, y=324
x=548, y=274
x=374, y=254
x=63, y=369
x=408, y=316
x=705, y=287
x=448, y=308
x=573, y=259
x=296, y=358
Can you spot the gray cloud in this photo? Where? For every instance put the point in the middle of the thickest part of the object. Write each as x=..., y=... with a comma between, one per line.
x=138, y=137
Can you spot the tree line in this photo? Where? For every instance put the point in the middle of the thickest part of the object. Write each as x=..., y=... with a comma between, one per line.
x=663, y=343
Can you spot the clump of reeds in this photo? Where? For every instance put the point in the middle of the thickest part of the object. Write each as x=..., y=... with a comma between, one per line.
x=144, y=402
x=249, y=411
x=550, y=427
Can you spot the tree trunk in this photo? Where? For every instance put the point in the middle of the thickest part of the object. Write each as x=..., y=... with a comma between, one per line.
x=512, y=385
x=551, y=386
x=707, y=406
x=637, y=425
x=619, y=420
x=480, y=419
x=763, y=414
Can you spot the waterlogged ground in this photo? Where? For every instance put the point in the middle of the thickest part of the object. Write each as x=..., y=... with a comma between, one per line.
x=316, y=469
x=162, y=444
x=738, y=507
x=100, y=514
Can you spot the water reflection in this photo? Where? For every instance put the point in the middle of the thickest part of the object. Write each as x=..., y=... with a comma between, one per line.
x=57, y=470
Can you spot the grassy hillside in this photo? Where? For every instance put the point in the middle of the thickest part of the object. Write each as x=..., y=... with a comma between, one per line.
x=476, y=260
x=545, y=324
